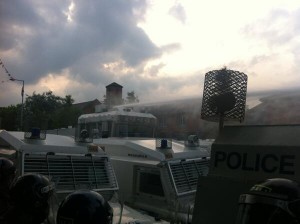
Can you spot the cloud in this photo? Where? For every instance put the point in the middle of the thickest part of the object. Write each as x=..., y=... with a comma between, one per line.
x=178, y=12
x=46, y=39
x=169, y=48
x=153, y=70
x=277, y=35
x=160, y=48
x=280, y=27
x=151, y=88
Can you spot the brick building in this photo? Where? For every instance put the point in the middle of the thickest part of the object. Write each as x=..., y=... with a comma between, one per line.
x=87, y=107
x=113, y=95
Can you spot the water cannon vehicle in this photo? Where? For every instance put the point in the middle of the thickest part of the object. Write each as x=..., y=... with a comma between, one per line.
x=156, y=175
x=70, y=166
x=242, y=156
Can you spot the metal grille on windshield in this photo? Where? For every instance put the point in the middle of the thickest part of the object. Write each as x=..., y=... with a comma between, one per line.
x=184, y=174
x=72, y=172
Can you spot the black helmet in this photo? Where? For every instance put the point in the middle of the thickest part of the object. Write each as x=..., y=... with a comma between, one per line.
x=84, y=207
x=273, y=201
x=84, y=134
x=7, y=172
x=30, y=196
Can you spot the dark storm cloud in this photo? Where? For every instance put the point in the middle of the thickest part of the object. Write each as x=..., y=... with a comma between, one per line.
x=112, y=27
x=44, y=42
x=14, y=14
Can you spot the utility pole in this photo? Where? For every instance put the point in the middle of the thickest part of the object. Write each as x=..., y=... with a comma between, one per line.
x=22, y=95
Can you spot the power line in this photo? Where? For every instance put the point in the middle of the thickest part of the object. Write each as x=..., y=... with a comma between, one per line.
x=10, y=77
x=5, y=69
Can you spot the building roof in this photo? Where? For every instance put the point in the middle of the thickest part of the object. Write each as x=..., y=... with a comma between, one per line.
x=83, y=105
x=111, y=115
x=187, y=104
x=276, y=109
x=114, y=84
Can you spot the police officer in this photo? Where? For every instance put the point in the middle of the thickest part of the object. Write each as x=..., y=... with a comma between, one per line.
x=7, y=175
x=272, y=201
x=84, y=207
x=30, y=196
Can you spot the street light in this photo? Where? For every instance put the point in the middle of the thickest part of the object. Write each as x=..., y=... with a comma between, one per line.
x=22, y=94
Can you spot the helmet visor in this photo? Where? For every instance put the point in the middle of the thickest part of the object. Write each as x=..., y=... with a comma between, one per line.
x=255, y=214
x=260, y=210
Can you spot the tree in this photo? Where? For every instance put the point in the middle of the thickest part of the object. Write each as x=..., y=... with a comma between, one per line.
x=131, y=98
x=48, y=111
x=66, y=115
x=68, y=100
x=9, y=117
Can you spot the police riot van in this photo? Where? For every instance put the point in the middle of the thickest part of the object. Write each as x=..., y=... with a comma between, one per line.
x=241, y=157
x=156, y=175
x=70, y=166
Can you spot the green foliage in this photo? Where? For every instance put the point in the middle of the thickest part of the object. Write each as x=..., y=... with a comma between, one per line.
x=65, y=116
x=9, y=117
x=131, y=98
x=68, y=100
x=48, y=111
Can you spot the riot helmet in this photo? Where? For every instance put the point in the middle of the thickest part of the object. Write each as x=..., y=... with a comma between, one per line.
x=84, y=134
x=84, y=207
x=7, y=173
x=272, y=201
x=30, y=196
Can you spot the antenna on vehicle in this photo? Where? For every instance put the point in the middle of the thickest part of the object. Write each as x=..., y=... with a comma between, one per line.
x=224, y=96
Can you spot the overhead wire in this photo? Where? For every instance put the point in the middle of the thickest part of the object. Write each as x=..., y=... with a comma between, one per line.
x=10, y=77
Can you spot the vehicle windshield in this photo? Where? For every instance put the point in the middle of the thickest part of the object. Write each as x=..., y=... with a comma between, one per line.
x=132, y=125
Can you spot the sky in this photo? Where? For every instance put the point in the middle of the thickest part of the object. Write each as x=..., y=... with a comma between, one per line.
x=161, y=50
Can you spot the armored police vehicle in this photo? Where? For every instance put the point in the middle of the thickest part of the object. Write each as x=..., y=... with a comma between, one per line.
x=157, y=175
x=241, y=157
x=70, y=166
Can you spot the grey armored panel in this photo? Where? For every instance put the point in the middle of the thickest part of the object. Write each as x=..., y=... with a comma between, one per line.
x=217, y=199
x=242, y=156
x=185, y=174
x=73, y=172
x=257, y=152
x=263, y=135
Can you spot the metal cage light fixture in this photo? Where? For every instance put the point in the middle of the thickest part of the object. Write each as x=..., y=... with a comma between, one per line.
x=224, y=96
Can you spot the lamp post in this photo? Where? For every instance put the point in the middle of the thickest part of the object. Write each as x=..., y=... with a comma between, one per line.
x=22, y=94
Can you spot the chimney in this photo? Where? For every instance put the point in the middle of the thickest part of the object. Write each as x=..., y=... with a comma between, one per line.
x=114, y=95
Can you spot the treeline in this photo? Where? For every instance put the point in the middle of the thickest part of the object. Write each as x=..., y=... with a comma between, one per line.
x=45, y=111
